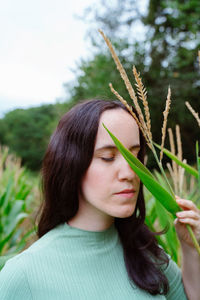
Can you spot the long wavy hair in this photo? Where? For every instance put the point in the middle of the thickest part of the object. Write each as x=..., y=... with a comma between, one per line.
x=66, y=160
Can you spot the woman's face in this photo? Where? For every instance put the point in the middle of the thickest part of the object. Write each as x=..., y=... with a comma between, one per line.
x=110, y=187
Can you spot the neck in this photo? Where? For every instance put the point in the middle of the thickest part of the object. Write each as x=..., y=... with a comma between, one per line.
x=91, y=219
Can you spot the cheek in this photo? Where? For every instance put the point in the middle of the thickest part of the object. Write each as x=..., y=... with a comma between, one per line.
x=94, y=180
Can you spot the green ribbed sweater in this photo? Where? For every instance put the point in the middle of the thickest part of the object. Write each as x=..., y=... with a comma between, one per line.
x=70, y=263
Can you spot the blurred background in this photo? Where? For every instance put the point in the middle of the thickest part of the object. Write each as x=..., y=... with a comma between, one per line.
x=52, y=56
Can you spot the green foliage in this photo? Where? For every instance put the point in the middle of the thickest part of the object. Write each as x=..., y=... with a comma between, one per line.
x=158, y=191
x=26, y=132
x=16, y=199
x=94, y=76
x=158, y=219
x=173, y=157
x=174, y=36
x=161, y=190
x=165, y=55
x=128, y=155
x=198, y=162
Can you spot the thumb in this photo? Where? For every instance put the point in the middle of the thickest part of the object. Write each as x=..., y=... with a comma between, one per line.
x=177, y=226
x=176, y=222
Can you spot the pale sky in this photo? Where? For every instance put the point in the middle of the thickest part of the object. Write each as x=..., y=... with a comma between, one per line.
x=40, y=41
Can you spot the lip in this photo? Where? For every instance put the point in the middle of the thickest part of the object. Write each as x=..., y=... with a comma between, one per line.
x=127, y=191
x=127, y=194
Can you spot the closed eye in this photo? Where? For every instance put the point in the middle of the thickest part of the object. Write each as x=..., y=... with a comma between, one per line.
x=107, y=159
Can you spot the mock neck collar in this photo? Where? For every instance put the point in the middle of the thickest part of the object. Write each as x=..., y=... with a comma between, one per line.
x=107, y=236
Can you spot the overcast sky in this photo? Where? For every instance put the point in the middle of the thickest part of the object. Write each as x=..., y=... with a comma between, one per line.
x=40, y=41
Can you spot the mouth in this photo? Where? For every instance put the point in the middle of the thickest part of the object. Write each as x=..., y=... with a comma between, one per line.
x=128, y=193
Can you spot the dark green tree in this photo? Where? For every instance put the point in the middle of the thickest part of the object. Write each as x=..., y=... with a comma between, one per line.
x=93, y=76
x=165, y=55
x=174, y=37
x=26, y=132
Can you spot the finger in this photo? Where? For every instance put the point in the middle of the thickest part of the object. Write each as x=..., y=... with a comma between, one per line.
x=188, y=214
x=188, y=204
x=175, y=221
x=189, y=221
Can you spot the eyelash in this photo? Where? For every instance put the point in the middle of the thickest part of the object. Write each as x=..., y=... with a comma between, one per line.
x=107, y=159
x=110, y=159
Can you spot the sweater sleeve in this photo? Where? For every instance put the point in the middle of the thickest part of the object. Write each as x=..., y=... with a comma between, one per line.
x=13, y=282
x=176, y=288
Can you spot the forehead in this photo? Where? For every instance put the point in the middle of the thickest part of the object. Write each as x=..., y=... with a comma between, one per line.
x=121, y=124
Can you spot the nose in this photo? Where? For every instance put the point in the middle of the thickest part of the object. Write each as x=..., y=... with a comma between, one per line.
x=124, y=171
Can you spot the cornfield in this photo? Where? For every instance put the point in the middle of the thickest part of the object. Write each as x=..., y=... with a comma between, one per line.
x=19, y=191
x=19, y=197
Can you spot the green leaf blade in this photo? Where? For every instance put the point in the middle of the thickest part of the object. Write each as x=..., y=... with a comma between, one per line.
x=157, y=190
x=127, y=154
x=165, y=198
x=187, y=167
x=198, y=162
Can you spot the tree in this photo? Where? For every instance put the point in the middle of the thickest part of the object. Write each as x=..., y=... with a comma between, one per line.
x=93, y=77
x=167, y=55
x=26, y=132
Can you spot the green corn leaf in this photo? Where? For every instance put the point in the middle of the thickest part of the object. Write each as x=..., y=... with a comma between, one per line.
x=12, y=225
x=16, y=247
x=152, y=215
x=160, y=179
x=166, y=221
x=150, y=219
x=4, y=241
x=194, y=195
x=198, y=162
x=23, y=241
x=127, y=154
x=157, y=190
x=7, y=194
x=187, y=167
x=166, y=199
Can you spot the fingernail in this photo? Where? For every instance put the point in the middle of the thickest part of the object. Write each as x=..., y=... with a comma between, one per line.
x=179, y=200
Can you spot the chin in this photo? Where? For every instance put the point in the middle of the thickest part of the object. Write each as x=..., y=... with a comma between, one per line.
x=126, y=212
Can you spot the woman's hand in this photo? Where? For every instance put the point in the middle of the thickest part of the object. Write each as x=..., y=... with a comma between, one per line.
x=190, y=215
x=190, y=257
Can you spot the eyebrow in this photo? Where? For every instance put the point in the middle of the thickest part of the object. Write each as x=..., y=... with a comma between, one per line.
x=111, y=147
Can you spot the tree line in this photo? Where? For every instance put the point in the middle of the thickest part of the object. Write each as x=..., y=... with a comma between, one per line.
x=166, y=55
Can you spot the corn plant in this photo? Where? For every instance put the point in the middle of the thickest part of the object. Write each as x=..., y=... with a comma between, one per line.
x=163, y=193
x=17, y=193
x=158, y=218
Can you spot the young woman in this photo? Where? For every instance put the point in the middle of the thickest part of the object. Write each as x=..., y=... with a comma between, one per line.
x=93, y=243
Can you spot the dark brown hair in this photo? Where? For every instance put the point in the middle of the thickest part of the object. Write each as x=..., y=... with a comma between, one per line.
x=67, y=159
